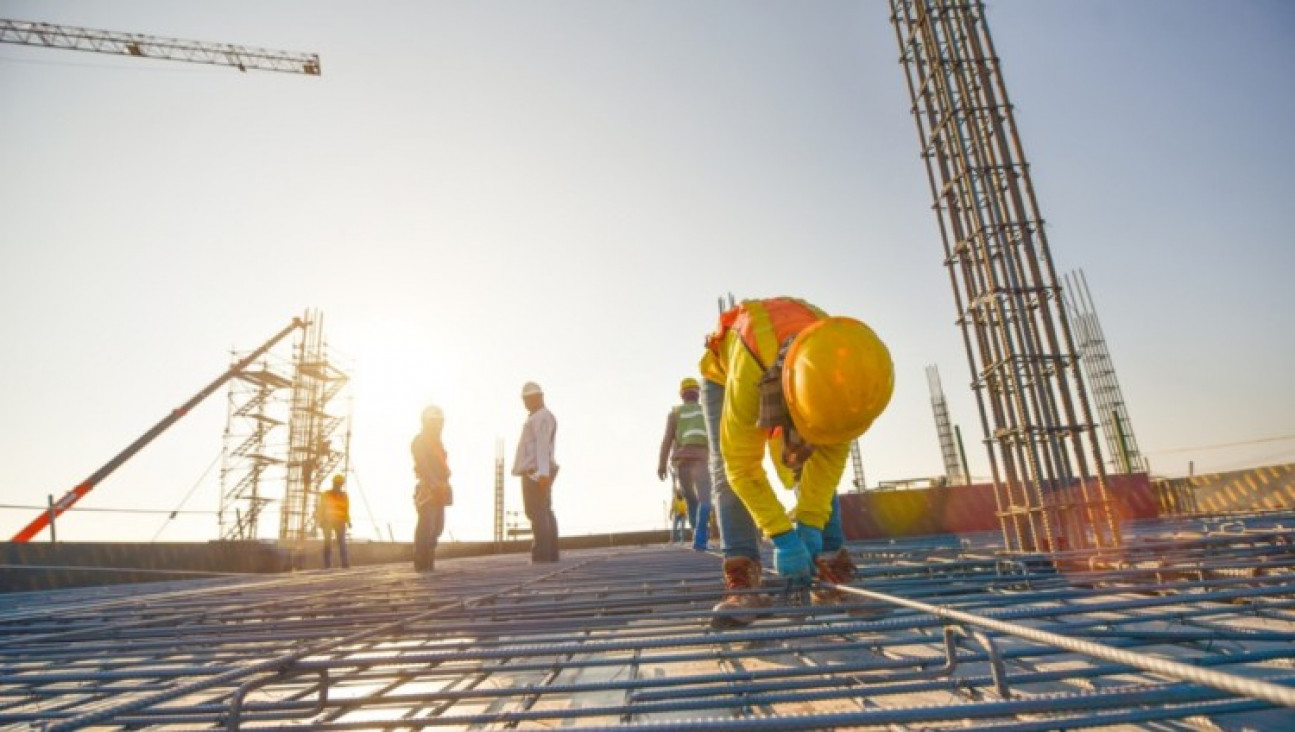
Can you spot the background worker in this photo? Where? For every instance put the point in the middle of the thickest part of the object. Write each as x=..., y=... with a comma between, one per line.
x=678, y=517
x=335, y=518
x=536, y=465
x=685, y=447
x=432, y=493
x=782, y=375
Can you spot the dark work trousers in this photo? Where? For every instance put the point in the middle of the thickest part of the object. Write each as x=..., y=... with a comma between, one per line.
x=341, y=546
x=431, y=522
x=538, y=503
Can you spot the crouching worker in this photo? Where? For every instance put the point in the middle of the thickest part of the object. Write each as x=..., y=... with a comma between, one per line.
x=432, y=493
x=782, y=375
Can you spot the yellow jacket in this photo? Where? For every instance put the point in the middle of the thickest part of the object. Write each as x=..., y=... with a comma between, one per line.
x=735, y=358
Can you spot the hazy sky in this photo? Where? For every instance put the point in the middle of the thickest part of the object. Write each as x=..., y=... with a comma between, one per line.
x=476, y=194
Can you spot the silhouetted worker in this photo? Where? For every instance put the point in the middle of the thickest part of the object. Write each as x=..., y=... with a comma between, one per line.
x=432, y=493
x=335, y=519
x=535, y=464
x=782, y=375
x=685, y=447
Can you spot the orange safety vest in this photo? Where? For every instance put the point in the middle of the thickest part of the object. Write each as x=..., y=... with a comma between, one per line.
x=335, y=509
x=764, y=325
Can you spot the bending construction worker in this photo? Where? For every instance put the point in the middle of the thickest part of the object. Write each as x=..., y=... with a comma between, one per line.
x=782, y=375
x=335, y=518
x=535, y=464
x=432, y=493
x=685, y=447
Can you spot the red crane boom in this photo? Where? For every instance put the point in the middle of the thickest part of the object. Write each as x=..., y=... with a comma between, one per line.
x=71, y=497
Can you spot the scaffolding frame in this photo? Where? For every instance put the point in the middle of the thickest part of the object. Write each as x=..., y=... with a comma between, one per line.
x=1044, y=453
x=250, y=460
x=499, y=493
x=312, y=452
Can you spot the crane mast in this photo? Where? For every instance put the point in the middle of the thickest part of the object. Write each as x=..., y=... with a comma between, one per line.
x=115, y=43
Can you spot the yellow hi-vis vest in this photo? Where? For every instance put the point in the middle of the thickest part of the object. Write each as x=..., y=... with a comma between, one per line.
x=690, y=425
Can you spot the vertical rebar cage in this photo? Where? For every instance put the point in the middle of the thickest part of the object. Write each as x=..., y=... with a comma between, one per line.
x=1043, y=449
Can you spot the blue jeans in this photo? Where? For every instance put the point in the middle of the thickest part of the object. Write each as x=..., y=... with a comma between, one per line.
x=739, y=536
x=538, y=502
x=694, y=481
x=677, y=531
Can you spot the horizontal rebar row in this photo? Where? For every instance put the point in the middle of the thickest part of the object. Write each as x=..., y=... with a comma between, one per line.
x=1192, y=618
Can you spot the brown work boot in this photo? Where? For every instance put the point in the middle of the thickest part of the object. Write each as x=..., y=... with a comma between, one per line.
x=838, y=568
x=743, y=577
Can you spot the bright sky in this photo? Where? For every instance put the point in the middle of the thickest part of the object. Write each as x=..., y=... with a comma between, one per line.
x=476, y=194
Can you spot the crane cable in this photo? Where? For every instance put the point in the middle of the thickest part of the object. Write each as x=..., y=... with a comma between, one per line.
x=170, y=517
x=365, y=499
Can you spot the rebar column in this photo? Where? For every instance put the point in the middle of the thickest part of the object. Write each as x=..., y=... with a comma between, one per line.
x=1044, y=454
x=944, y=428
x=1099, y=369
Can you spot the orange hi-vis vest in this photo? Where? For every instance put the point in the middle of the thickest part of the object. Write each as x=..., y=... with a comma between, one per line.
x=764, y=325
x=334, y=509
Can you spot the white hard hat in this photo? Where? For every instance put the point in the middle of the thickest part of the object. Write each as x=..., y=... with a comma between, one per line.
x=433, y=413
x=530, y=388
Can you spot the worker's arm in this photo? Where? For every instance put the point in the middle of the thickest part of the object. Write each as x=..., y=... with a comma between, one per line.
x=667, y=443
x=742, y=442
x=544, y=429
x=818, y=480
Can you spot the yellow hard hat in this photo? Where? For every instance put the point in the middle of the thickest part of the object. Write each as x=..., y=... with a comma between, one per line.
x=338, y=479
x=688, y=383
x=836, y=379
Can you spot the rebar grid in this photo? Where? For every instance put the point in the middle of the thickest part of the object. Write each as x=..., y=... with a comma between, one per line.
x=1044, y=454
x=941, y=633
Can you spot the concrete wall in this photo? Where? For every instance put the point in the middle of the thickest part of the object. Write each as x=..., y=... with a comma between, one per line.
x=965, y=509
x=1269, y=488
x=46, y=566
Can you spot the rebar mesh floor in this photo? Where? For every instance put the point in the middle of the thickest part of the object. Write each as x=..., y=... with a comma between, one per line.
x=1191, y=628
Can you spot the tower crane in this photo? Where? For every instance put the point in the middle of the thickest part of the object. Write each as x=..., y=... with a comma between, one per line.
x=116, y=43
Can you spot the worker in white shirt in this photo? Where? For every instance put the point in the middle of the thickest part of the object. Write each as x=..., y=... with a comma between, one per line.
x=535, y=465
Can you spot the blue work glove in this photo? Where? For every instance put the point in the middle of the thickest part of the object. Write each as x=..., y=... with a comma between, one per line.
x=791, y=558
x=812, y=537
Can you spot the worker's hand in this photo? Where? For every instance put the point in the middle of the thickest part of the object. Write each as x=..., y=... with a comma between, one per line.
x=791, y=558
x=660, y=473
x=812, y=537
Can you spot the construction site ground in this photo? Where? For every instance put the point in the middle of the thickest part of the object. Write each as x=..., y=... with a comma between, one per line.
x=1191, y=626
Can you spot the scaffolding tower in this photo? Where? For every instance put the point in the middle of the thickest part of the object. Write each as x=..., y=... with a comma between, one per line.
x=251, y=459
x=1121, y=446
x=499, y=493
x=1049, y=480
x=312, y=452
x=953, y=472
